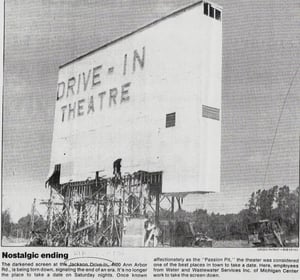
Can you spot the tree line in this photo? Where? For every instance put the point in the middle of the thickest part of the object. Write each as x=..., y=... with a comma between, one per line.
x=21, y=229
x=278, y=203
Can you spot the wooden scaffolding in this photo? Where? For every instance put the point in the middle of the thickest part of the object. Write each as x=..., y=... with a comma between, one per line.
x=95, y=212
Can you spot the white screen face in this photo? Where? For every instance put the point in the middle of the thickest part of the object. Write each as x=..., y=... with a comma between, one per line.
x=114, y=102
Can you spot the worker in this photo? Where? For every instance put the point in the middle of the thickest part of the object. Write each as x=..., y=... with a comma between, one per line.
x=117, y=168
x=151, y=231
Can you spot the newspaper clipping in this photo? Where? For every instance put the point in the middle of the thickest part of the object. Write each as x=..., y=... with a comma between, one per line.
x=150, y=139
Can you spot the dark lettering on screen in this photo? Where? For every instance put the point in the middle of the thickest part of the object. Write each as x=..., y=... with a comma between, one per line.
x=63, y=108
x=72, y=110
x=91, y=105
x=93, y=77
x=125, y=64
x=125, y=93
x=78, y=83
x=96, y=75
x=60, y=90
x=71, y=84
x=139, y=59
x=116, y=96
x=101, y=95
x=113, y=92
x=84, y=81
x=80, y=108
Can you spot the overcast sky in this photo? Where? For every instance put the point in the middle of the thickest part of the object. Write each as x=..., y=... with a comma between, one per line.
x=261, y=52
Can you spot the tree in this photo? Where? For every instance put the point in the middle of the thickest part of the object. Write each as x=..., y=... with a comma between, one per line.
x=264, y=202
x=24, y=224
x=251, y=214
x=287, y=211
x=5, y=223
x=279, y=204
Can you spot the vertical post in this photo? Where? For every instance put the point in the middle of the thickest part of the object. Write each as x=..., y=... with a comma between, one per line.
x=122, y=215
x=65, y=210
x=83, y=218
x=105, y=202
x=157, y=205
x=97, y=203
x=113, y=213
x=78, y=214
x=178, y=201
x=70, y=219
x=156, y=221
x=32, y=215
x=172, y=207
x=49, y=219
x=140, y=202
x=172, y=222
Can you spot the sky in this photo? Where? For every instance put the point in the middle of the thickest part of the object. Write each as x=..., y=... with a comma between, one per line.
x=261, y=54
